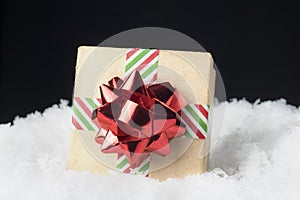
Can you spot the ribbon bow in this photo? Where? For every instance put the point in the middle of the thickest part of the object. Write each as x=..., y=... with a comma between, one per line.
x=139, y=119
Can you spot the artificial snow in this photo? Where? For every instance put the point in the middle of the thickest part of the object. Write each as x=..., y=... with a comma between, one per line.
x=257, y=156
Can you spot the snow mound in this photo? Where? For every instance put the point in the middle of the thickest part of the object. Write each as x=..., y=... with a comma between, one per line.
x=256, y=157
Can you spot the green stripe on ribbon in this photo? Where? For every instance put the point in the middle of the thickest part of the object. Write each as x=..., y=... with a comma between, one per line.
x=145, y=167
x=136, y=59
x=82, y=118
x=150, y=70
x=122, y=163
x=196, y=117
x=187, y=134
x=91, y=102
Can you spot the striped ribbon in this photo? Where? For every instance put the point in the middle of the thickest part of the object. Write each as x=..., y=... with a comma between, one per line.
x=82, y=113
x=145, y=61
x=194, y=116
x=123, y=165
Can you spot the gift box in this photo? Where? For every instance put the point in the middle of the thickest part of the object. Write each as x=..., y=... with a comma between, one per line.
x=142, y=111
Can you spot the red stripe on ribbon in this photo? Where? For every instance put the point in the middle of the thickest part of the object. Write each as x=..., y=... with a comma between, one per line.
x=87, y=110
x=127, y=170
x=188, y=121
x=202, y=110
x=148, y=60
x=130, y=53
x=154, y=78
x=76, y=124
x=84, y=107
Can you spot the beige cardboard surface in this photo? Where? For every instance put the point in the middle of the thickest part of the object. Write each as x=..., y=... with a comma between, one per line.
x=190, y=72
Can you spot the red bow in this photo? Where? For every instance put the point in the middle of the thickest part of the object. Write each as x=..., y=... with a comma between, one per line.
x=138, y=119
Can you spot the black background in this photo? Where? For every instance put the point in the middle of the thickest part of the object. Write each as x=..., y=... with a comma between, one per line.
x=254, y=43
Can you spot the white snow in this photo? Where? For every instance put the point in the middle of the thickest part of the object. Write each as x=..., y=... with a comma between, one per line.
x=256, y=157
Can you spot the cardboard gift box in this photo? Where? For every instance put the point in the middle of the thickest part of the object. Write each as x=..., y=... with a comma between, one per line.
x=191, y=73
